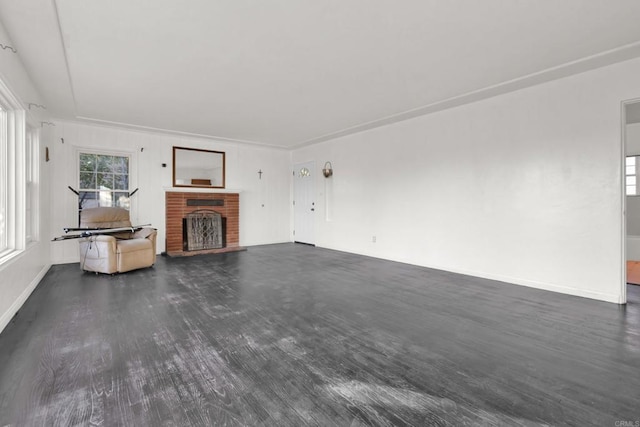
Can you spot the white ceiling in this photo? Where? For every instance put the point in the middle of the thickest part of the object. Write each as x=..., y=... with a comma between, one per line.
x=293, y=72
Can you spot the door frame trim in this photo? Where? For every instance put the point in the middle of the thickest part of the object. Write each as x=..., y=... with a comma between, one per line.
x=623, y=190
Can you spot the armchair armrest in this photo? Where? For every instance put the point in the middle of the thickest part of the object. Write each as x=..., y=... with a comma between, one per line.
x=98, y=253
x=102, y=241
x=145, y=233
x=101, y=238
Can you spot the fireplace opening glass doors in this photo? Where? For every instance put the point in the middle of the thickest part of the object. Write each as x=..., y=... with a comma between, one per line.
x=203, y=229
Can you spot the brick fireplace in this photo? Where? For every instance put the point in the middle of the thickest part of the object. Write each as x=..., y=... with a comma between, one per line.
x=179, y=204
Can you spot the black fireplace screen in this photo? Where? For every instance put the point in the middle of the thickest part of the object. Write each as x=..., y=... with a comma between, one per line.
x=203, y=229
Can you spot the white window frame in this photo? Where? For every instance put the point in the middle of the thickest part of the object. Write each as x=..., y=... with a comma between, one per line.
x=132, y=155
x=32, y=185
x=5, y=241
x=12, y=174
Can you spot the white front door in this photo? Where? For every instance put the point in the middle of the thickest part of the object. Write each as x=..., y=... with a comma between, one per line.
x=304, y=203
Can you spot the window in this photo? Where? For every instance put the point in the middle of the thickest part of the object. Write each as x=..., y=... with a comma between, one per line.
x=104, y=180
x=4, y=181
x=631, y=175
x=32, y=160
x=12, y=174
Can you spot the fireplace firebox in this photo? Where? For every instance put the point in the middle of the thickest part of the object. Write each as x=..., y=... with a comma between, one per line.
x=203, y=229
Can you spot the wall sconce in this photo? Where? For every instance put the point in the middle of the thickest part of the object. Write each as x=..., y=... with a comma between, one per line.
x=327, y=171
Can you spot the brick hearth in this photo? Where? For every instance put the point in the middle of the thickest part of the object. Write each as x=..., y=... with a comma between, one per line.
x=176, y=209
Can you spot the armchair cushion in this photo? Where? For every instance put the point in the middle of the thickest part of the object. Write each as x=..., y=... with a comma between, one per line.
x=104, y=217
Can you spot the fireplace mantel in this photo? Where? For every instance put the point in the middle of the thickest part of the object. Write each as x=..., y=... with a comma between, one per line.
x=200, y=190
x=177, y=207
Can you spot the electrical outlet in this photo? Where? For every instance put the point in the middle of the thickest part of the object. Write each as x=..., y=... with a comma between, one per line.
x=373, y=239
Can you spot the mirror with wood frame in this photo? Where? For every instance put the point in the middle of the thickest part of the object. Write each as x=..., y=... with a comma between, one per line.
x=194, y=167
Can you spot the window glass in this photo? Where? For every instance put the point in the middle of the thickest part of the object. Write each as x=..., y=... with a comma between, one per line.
x=4, y=182
x=32, y=159
x=104, y=180
x=631, y=165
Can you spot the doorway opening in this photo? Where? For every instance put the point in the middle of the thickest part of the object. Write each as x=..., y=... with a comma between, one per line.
x=631, y=201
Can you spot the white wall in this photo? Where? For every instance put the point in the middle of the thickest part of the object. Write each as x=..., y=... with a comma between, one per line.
x=264, y=203
x=524, y=187
x=20, y=275
x=632, y=139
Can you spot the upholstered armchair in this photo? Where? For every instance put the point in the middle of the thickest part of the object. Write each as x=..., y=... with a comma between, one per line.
x=115, y=253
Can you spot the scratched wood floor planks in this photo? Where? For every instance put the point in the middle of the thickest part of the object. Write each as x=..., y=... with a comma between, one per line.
x=291, y=335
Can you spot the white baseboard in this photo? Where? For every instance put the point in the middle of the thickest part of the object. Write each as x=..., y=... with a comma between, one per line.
x=19, y=302
x=613, y=298
x=543, y=286
x=69, y=260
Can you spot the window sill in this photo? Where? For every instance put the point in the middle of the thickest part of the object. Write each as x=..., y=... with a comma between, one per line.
x=7, y=256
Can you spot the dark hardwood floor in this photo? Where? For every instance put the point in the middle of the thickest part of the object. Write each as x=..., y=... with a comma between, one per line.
x=291, y=335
